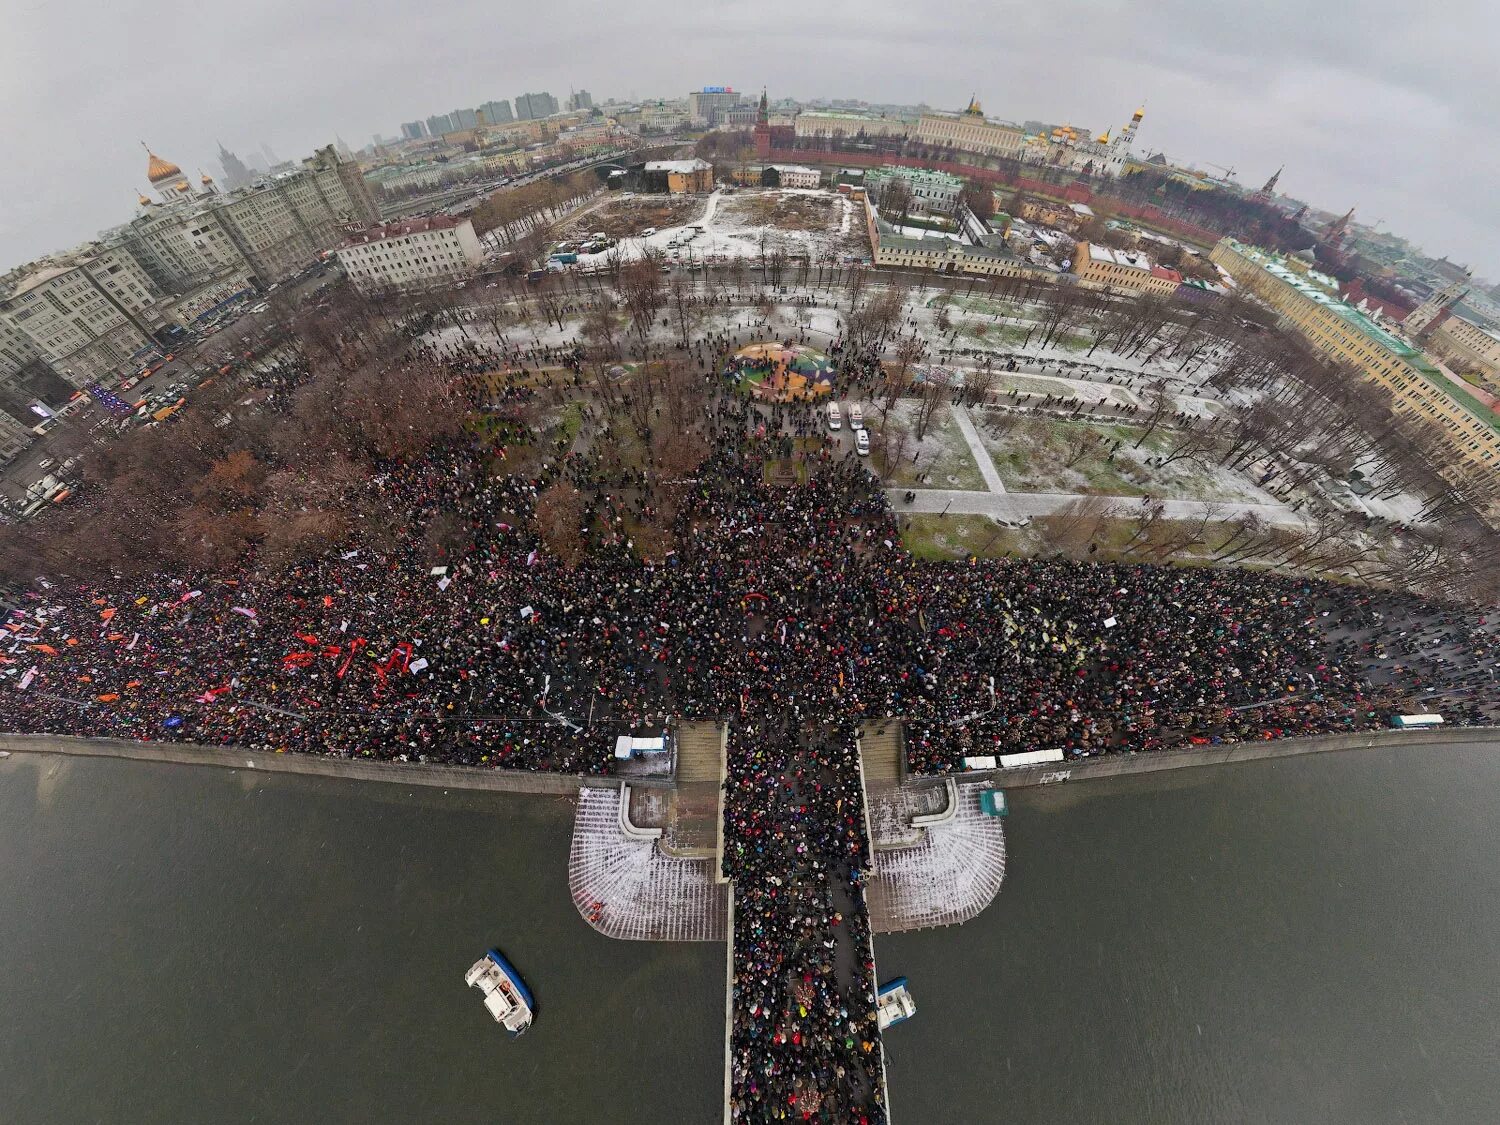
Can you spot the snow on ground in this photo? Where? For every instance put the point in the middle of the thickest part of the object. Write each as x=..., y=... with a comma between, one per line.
x=626, y=888
x=942, y=458
x=948, y=878
x=723, y=236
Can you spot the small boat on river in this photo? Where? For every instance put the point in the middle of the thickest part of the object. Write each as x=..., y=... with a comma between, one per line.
x=505, y=994
x=894, y=1003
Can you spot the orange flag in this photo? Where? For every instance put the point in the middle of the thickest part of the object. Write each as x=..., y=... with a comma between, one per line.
x=106, y=614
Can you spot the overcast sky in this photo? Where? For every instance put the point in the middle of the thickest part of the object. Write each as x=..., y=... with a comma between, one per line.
x=1383, y=105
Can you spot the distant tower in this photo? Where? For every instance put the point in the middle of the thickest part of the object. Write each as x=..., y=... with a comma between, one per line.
x=271, y=158
x=973, y=109
x=762, y=130
x=1268, y=190
x=1336, y=231
x=1126, y=136
x=1430, y=314
x=236, y=175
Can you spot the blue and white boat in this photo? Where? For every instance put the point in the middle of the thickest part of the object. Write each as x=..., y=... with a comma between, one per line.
x=893, y=1003
x=505, y=993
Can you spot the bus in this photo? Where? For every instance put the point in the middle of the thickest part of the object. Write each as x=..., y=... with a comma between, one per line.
x=1416, y=722
x=1030, y=758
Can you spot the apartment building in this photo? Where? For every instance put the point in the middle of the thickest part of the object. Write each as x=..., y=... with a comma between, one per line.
x=411, y=255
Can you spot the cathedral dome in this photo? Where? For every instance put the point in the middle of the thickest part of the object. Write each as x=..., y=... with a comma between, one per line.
x=159, y=170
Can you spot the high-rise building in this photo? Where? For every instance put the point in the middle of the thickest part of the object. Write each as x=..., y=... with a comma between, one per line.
x=413, y=130
x=580, y=99
x=236, y=175
x=531, y=106
x=438, y=124
x=463, y=119
x=707, y=104
x=96, y=309
x=497, y=113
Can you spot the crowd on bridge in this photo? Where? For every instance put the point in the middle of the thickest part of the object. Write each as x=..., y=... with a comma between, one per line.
x=804, y=1040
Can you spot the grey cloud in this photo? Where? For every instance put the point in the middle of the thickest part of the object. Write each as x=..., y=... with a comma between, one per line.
x=1380, y=104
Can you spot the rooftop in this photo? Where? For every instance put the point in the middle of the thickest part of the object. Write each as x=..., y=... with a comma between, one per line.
x=1411, y=356
x=1129, y=259
x=403, y=228
x=684, y=166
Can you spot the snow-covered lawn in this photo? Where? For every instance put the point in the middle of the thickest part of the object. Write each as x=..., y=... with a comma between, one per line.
x=942, y=457
x=1031, y=455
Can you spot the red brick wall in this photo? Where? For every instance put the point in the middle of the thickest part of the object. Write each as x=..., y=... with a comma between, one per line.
x=1081, y=193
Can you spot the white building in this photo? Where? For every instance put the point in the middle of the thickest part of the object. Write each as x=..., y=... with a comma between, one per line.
x=798, y=176
x=412, y=254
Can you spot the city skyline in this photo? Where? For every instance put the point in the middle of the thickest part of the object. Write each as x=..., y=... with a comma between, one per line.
x=1393, y=125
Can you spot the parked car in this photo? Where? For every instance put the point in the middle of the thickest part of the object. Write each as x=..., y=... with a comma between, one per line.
x=862, y=442
x=46, y=463
x=856, y=416
x=835, y=419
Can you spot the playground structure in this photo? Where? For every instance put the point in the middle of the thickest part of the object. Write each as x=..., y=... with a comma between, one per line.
x=777, y=372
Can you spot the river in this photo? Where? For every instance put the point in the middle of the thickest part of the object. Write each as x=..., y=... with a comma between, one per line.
x=1298, y=940
x=183, y=945
x=1295, y=940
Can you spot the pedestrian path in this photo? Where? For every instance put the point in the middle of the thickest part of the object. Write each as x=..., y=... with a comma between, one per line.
x=981, y=455
x=957, y=502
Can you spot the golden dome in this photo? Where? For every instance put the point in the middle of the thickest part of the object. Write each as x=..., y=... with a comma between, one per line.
x=1104, y=137
x=159, y=170
x=1140, y=113
x=182, y=185
x=207, y=179
x=142, y=200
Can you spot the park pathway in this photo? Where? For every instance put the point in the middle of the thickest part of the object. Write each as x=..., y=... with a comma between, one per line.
x=1009, y=505
x=981, y=455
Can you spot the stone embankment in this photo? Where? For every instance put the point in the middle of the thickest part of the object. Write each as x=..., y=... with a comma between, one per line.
x=1119, y=765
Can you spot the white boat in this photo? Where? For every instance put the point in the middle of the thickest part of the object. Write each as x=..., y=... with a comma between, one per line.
x=505, y=994
x=893, y=1003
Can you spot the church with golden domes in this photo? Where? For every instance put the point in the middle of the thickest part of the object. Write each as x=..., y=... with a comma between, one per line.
x=169, y=182
x=1072, y=148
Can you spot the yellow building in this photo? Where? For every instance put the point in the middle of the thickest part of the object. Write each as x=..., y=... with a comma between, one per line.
x=1343, y=333
x=970, y=131
x=1467, y=346
x=685, y=176
x=1102, y=267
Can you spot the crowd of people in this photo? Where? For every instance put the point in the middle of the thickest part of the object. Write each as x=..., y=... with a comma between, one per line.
x=490, y=652
x=804, y=1040
x=790, y=611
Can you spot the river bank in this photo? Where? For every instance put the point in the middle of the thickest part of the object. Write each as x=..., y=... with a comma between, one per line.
x=530, y=781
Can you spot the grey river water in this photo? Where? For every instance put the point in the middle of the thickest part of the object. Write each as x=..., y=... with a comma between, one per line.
x=1305, y=940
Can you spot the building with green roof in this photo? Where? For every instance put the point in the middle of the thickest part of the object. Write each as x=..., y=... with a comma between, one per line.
x=1306, y=302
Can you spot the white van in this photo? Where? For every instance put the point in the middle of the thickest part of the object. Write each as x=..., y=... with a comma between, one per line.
x=856, y=417
x=862, y=442
x=835, y=419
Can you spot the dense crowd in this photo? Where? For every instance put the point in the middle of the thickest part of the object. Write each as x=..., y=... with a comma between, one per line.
x=492, y=653
x=804, y=1043
x=792, y=612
